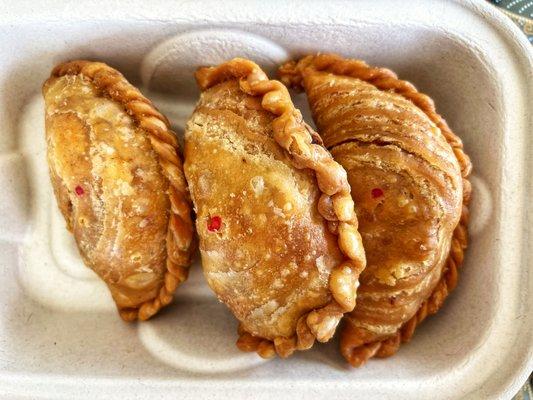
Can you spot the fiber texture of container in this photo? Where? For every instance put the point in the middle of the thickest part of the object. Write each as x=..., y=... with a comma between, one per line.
x=60, y=336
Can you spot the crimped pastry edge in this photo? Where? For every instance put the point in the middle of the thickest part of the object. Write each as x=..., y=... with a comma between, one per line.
x=299, y=142
x=112, y=84
x=291, y=74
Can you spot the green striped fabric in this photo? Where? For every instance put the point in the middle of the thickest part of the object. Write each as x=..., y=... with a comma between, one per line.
x=520, y=11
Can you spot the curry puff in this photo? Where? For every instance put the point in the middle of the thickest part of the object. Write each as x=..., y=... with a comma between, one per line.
x=408, y=175
x=275, y=219
x=119, y=183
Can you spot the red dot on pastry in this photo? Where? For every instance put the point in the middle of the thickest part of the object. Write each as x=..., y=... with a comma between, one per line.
x=214, y=223
x=376, y=192
x=79, y=190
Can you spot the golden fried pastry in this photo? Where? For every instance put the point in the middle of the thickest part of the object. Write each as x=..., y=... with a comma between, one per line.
x=119, y=183
x=408, y=176
x=276, y=221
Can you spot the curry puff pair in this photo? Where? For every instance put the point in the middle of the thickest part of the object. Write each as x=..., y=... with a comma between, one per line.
x=276, y=221
x=280, y=238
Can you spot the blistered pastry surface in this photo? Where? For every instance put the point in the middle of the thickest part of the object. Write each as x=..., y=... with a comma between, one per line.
x=271, y=258
x=305, y=150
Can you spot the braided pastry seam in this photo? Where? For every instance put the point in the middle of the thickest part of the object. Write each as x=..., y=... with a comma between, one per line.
x=180, y=239
x=335, y=204
x=384, y=79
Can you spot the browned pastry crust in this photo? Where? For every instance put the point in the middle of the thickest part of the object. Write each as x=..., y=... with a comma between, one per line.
x=409, y=181
x=118, y=180
x=276, y=221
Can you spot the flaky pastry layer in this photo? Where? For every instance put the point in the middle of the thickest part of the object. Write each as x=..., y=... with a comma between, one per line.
x=119, y=183
x=408, y=173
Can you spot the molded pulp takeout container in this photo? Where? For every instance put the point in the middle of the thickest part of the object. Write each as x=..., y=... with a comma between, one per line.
x=60, y=336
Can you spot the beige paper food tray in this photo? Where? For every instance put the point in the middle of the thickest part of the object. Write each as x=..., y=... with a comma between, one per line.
x=60, y=336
